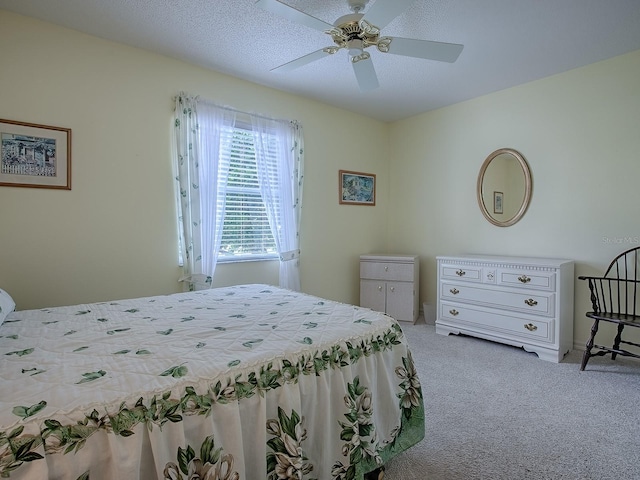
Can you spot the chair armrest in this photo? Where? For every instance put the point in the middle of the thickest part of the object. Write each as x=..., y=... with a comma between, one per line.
x=609, y=279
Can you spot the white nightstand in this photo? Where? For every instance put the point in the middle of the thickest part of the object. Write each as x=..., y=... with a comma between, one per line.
x=389, y=283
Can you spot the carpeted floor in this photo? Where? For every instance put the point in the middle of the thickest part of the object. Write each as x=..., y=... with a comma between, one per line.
x=497, y=412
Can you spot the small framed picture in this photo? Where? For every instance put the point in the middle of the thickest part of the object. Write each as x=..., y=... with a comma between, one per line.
x=498, y=199
x=33, y=155
x=357, y=188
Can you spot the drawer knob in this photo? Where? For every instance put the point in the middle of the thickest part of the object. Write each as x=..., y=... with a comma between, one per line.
x=393, y=289
x=524, y=279
x=531, y=302
x=379, y=288
x=454, y=312
x=386, y=268
x=455, y=291
x=530, y=326
x=460, y=273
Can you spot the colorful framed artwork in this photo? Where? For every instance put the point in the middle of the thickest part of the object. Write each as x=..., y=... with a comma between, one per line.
x=33, y=155
x=357, y=188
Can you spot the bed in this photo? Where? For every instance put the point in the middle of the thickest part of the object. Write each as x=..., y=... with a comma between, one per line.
x=244, y=382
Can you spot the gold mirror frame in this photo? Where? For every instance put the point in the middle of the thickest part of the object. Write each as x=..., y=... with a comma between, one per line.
x=527, y=187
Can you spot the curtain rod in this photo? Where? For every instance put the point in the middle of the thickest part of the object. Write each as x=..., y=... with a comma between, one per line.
x=231, y=109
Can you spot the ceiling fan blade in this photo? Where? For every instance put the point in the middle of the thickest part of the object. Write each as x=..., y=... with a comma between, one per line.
x=366, y=74
x=410, y=47
x=302, y=61
x=383, y=11
x=293, y=14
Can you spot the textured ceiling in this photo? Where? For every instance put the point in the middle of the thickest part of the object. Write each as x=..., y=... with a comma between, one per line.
x=506, y=43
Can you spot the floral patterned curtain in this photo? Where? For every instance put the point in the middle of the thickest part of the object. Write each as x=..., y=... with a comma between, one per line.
x=279, y=158
x=201, y=178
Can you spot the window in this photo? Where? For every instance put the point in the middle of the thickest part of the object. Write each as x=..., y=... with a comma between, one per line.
x=246, y=234
x=238, y=190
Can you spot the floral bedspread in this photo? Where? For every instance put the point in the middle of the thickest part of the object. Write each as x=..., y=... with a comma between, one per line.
x=245, y=382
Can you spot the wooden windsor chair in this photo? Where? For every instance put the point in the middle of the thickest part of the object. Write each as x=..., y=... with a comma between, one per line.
x=615, y=298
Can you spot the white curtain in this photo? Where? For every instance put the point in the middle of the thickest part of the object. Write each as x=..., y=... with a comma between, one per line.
x=201, y=139
x=279, y=158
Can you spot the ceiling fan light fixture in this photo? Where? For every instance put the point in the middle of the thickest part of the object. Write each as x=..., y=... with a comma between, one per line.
x=355, y=47
x=362, y=56
x=383, y=44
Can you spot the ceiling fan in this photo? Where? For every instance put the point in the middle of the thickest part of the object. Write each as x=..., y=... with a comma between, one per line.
x=357, y=31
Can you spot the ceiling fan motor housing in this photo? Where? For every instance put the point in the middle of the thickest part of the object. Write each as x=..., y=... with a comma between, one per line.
x=350, y=35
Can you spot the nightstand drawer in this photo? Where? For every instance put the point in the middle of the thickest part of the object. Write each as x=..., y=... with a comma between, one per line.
x=403, y=272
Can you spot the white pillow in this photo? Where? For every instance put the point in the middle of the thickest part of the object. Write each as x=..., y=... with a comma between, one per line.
x=7, y=305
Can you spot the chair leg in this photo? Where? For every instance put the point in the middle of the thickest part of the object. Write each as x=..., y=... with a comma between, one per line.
x=589, y=346
x=616, y=341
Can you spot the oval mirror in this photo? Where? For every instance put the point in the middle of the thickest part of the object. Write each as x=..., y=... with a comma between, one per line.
x=504, y=187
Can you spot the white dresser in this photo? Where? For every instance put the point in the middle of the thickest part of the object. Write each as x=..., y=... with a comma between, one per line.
x=389, y=283
x=525, y=302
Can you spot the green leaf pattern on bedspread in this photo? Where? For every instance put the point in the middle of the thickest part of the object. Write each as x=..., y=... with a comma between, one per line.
x=21, y=353
x=25, y=412
x=287, y=459
x=358, y=432
x=212, y=464
x=91, y=376
x=248, y=378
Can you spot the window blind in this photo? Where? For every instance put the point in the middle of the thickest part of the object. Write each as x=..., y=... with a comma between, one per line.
x=246, y=233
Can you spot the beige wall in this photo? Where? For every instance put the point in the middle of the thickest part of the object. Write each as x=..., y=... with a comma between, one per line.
x=113, y=235
x=579, y=133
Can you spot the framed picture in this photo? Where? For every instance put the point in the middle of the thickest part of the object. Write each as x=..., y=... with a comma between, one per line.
x=498, y=199
x=33, y=155
x=357, y=188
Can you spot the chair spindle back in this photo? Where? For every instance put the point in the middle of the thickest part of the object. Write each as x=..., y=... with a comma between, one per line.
x=617, y=292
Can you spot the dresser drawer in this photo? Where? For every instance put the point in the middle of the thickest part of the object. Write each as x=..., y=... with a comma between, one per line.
x=402, y=272
x=535, y=303
x=497, y=323
x=461, y=273
x=527, y=279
